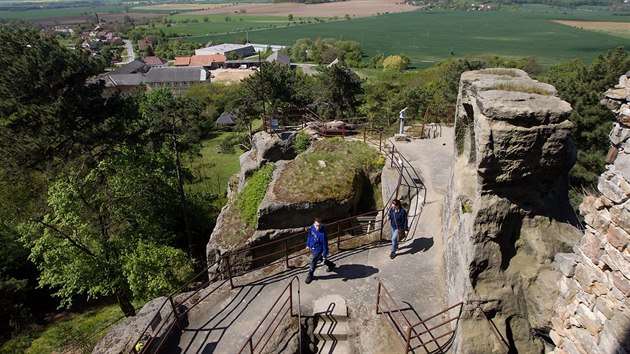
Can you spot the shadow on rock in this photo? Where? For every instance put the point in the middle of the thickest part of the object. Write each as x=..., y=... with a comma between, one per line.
x=421, y=244
x=350, y=271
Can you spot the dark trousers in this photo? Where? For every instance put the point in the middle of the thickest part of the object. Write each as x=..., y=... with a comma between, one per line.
x=316, y=258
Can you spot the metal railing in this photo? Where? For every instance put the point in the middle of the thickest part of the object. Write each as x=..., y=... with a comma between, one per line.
x=407, y=333
x=494, y=329
x=279, y=314
x=245, y=260
x=155, y=335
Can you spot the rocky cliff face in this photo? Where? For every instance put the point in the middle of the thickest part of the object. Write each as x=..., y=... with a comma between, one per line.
x=592, y=314
x=507, y=212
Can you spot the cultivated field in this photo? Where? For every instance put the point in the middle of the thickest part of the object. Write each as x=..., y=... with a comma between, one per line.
x=615, y=28
x=353, y=8
x=428, y=37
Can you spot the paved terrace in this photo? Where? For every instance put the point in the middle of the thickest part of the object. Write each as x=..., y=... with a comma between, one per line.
x=415, y=278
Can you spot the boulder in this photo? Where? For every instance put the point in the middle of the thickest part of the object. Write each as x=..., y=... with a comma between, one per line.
x=123, y=336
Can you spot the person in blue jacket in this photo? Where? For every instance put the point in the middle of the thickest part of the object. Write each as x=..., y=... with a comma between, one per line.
x=317, y=243
x=398, y=221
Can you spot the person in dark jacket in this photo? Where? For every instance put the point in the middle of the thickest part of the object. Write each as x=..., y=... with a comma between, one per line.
x=398, y=221
x=317, y=243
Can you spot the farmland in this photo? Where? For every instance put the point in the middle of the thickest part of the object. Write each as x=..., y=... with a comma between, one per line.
x=430, y=36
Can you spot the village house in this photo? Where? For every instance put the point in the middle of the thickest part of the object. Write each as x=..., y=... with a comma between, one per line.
x=175, y=78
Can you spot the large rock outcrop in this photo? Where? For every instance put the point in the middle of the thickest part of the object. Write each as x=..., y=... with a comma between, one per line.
x=276, y=217
x=592, y=314
x=507, y=211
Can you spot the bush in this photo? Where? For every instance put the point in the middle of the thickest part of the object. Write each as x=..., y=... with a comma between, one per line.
x=302, y=142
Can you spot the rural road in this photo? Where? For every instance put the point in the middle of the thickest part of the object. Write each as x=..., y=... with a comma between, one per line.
x=130, y=53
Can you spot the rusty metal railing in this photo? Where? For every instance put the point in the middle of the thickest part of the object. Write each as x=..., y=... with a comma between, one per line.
x=407, y=332
x=155, y=335
x=279, y=314
x=239, y=262
x=494, y=329
x=409, y=178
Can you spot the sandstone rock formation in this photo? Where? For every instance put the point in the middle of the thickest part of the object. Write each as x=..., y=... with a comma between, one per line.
x=278, y=218
x=592, y=314
x=507, y=211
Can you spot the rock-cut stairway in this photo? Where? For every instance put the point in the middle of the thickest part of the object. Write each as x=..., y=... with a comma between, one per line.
x=331, y=331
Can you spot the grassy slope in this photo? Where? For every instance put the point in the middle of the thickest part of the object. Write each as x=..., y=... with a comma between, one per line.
x=430, y=36
x=81, y=331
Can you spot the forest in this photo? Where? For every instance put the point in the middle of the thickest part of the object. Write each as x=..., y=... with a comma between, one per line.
x=95, y=191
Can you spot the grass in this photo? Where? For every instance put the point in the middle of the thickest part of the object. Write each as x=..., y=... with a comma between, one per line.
x=428, y=37
x=217, y=24
x=521, y=87
x=63, y=12
x=304, y=179
x=498, y=71
x=212, y=170
x=80, y=333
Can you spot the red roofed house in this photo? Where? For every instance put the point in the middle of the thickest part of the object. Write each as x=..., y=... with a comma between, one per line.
x=213, y=61
x=181, y=61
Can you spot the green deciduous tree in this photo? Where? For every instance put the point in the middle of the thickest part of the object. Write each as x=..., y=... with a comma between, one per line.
x=394, y=62
x=89, y=241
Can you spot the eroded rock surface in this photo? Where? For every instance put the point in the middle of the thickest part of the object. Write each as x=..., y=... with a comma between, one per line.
x=507, y=211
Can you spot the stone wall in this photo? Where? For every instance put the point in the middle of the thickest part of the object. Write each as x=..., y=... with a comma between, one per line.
x=593, y=311
x=507, y=212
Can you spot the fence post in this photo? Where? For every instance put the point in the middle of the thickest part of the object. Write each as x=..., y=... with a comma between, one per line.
x=179, y=325
x=338, y=236
x=378, y=295
x=229, y=270
x=291, y=298
x=380, y=141
x=286, y=253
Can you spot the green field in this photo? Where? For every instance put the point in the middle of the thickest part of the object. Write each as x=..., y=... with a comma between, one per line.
x=430, y=36
x=218, y=24
x=54, y=13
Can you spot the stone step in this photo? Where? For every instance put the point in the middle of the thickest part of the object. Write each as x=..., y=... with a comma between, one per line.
x=333, y=305
x=331, y=329
x=331, y=347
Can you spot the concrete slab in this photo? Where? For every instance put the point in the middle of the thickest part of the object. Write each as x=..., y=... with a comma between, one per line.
x=330, y=347
x=333, y=305
x=332, y=329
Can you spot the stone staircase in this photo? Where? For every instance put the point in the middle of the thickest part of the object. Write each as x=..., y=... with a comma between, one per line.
x=331, y=331
x=362, y=225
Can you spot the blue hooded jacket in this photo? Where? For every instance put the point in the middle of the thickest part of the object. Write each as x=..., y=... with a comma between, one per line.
x=317, y=241
x=398, y=219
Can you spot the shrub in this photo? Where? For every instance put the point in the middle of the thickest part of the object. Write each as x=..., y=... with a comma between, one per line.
x=302, y=142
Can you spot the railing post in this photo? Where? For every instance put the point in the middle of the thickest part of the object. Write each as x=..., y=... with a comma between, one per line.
x=286, y=253
x=338, y=236
x=408, y=335
x=229, y=270
x=179, y=325
x=378, y=296
x=380, y=141
x=291, y=298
